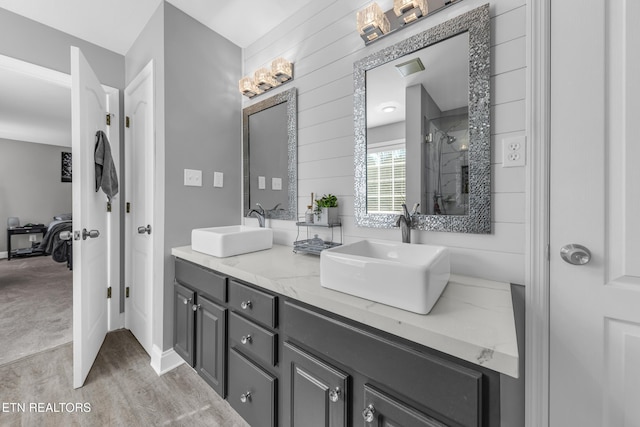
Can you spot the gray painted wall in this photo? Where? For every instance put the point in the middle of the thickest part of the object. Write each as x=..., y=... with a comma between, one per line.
x=39, y=44
x=30, y=186
x=203, y=131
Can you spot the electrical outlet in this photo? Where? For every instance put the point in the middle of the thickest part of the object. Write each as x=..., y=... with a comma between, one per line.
x=513, y=152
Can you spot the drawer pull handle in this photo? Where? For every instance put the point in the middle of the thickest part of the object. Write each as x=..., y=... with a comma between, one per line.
x=369, y=413
x=246, y=339
x=186, y=301
x=245, y=304
x=245, y=397
x=195, y=307
x=334, y=395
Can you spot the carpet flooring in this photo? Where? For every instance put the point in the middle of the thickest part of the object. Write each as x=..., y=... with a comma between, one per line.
x=121, y=390
x=36, y=306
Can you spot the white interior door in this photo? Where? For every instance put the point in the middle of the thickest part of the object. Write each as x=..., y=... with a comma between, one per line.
x=595, y=202
x=90, y=254
x=139, y=107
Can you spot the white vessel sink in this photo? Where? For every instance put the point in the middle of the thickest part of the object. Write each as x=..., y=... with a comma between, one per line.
x=231, y=240
x=403, y=275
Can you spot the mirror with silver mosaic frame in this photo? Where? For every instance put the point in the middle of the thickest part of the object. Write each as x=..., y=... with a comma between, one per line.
x=435, y=134
x=270, y=162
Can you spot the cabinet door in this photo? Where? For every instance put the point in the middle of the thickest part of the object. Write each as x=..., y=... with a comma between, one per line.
x=210, y=343
x=183, y=332
x=316, y=394
x=382, y=410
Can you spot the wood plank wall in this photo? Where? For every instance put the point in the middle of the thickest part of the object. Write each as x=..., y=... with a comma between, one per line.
x=322, y=41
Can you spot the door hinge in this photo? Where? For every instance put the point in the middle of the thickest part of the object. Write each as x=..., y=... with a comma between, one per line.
x=127, y=292
x=108, y=206
x=128, y=207
x=548, y=252
x=109, y=292
x=126, y=121
x=108, y=119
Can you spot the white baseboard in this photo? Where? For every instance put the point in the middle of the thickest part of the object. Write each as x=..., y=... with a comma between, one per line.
x=164, y=361
x=4, y=255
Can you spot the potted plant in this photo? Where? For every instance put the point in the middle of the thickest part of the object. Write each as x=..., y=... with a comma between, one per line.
x=327, y=210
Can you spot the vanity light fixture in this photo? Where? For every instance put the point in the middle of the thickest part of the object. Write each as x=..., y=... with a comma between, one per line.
x=389, y=109
x=372, y=22
x=409, y=10
x=265, y=79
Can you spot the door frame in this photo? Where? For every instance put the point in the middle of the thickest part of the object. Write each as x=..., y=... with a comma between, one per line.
x=115, y=318
x=537, y=187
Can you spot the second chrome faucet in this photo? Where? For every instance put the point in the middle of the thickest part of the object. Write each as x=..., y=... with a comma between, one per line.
x=405, y=220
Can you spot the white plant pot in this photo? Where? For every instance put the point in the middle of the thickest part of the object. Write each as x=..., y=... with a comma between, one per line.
x=327, y=216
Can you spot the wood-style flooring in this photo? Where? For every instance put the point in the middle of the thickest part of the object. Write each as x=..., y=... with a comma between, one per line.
x=121, y=390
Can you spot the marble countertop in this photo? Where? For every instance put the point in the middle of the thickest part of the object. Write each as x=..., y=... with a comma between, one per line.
x=473, y=319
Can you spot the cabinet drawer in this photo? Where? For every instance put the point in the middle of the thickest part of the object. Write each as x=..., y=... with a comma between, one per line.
x=252, y=303
x=253, y=340
x=385, y=411
x=446, y=389
x=252, y=391
x=201, y=279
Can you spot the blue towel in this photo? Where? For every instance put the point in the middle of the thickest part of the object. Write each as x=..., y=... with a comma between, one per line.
x=106, y=176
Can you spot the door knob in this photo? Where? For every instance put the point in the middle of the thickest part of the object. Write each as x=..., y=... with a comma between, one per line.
x=91, y=234
x=575, y=254
x=142, y=229
x=65, y=235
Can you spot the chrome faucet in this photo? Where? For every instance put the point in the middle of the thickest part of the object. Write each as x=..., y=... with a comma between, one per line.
x=259, y=213
x=405, y=220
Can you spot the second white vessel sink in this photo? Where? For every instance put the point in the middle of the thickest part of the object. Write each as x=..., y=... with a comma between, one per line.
x=231, y=240
x=403, y=275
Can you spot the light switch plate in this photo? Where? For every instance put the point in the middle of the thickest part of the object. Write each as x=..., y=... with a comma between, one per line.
x=262, y=183
x=276, y=183
x=218, y=179
x=193, y=178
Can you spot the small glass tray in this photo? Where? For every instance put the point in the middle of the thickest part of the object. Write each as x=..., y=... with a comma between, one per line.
x=309, y=247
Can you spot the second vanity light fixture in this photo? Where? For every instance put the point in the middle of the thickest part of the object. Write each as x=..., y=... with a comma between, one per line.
x=265, y=79
x=374, y=23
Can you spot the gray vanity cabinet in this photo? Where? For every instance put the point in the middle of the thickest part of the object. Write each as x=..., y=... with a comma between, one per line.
x=283, y=363
x=200, y=319
x=315, y=394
